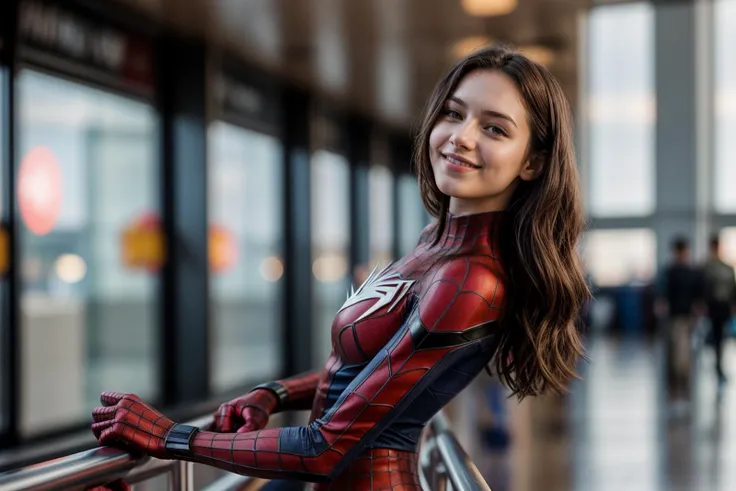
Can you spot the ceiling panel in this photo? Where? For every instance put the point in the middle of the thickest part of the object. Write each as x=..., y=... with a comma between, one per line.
x=379, y=56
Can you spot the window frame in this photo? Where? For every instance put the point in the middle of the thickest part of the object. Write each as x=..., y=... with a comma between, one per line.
x=160, y=288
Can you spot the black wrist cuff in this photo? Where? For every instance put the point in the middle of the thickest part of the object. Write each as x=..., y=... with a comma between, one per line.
x=179, y=438
x=282, y=395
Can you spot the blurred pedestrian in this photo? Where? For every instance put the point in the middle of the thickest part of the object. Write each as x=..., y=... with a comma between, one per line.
x=680, y=300
x=719, y=287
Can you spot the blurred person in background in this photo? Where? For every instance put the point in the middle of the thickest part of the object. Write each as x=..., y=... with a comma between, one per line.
x=719, y=293
x=680, y=301
x=495, y=280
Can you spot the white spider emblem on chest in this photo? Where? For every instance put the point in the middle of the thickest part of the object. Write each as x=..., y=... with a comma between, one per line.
x=386, y=289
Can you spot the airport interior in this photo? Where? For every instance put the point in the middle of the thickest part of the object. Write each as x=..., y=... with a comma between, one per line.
x=190, y=189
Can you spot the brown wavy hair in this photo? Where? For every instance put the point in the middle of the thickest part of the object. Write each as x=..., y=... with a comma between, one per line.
x=540, y=343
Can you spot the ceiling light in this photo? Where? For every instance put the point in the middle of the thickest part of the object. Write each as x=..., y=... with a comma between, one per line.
x=489, y=8
x=467, y=45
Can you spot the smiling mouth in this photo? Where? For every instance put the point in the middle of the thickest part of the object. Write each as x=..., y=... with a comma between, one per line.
x=462, y=163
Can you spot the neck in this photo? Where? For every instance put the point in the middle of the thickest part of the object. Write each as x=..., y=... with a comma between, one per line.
x=470, y=229
x=473, y=206
x=460, y=208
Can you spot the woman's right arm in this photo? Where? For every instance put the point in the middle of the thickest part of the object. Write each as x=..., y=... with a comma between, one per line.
x=294, y=393
x=250, y=412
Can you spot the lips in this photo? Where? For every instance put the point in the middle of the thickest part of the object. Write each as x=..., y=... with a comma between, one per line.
x=460, y=161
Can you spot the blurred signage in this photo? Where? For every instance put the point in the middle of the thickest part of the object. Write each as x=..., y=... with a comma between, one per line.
x=4, y=251
x=5, y=24
x=248, y=98
x=223, y=249
x=39, y=190
x=8, y=16
x=143, y=243
x=70, y=41
x=329, y=131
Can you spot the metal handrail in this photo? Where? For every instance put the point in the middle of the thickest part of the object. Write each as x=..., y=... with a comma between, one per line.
x=102, y=465
x=444, y=463
x=444, y=466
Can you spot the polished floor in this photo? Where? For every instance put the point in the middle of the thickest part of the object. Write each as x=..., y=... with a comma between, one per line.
x=616, y=431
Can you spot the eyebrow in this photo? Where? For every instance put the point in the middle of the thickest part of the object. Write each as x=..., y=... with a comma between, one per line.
x=488, y=112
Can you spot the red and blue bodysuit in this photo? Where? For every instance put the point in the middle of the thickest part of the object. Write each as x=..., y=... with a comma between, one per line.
x=404, y=344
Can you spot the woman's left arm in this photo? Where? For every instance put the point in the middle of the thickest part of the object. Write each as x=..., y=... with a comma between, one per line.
x=454, y=319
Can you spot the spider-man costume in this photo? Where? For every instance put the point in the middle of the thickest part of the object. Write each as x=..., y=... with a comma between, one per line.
x=404, y=344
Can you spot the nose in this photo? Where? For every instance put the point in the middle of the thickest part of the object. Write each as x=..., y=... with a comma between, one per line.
x=464, y=136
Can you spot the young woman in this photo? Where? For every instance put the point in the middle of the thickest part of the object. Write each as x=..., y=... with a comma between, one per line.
x=495, y=280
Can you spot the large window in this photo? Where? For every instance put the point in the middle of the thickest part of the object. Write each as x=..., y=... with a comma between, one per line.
x=87, y=173
x=411, y=215
x=621, y=110
x=245, y=213
x=381, y=207
x=620, y=257
x=725, y=107
x=330, y=188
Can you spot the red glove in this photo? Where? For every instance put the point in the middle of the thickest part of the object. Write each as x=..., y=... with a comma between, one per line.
x=249, y=412
x=118, y=485
x=126, y=421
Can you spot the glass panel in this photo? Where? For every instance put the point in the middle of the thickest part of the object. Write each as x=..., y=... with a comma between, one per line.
x=620, y=257
x=88, y=171
x=621, y=114
x=246, y=217
x=725, y=107
x=411, y=215
x=330, y=186
x=381, y=206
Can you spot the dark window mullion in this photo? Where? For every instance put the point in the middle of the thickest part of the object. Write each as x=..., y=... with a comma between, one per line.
x=9, y=308
x=298, y=286
x=358, y=139
x=184, y=346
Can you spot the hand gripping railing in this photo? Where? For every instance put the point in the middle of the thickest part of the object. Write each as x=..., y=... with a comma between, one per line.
x=444, y=466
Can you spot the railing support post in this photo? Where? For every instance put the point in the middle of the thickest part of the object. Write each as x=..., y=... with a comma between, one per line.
x=182, y=476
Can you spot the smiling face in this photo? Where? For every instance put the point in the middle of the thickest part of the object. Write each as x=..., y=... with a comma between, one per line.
x=478, y=146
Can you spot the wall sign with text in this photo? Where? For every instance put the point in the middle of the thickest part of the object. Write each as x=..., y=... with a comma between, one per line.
x=248, y=97
x=6, y=22
x=65, y=40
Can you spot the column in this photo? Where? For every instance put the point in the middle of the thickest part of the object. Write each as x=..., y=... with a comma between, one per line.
x=683, y=144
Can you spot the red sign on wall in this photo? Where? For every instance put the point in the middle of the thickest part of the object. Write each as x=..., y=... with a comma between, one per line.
x=39, y=190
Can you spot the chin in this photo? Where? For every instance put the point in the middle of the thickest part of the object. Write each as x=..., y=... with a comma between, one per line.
x=452, y=188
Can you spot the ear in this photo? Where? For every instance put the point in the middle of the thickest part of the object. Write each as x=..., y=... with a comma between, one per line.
x=532, y=168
